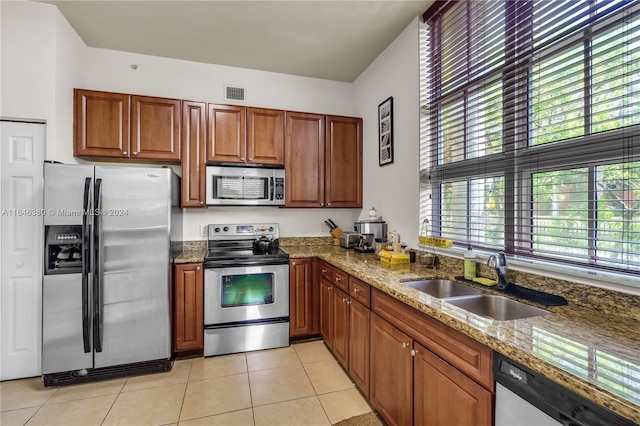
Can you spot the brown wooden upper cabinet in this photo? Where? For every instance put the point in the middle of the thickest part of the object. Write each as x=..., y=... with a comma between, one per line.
x=323, y=160
x=118, y=125
x=194, y=116
x=238, y=134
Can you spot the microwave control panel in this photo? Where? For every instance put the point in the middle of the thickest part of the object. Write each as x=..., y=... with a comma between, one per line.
x=279, y=189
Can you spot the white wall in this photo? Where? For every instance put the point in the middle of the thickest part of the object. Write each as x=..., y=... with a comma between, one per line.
x=393, y=189
x=43, y=59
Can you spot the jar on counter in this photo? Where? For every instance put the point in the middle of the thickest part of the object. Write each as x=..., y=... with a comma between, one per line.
x=380, y=244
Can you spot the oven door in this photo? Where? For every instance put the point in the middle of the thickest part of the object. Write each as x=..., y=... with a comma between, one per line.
x=245, y=294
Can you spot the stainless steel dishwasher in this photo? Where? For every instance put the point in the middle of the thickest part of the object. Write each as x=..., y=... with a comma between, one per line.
x=526, y=398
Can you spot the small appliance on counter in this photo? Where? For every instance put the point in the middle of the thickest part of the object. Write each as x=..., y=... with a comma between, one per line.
x=376, y=227
x=365, y=244
x=349, y=240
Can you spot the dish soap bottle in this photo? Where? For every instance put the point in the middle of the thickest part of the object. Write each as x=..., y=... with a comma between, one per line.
x=469, y=263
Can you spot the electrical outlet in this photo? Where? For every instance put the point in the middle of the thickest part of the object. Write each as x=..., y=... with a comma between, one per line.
x=203, y=230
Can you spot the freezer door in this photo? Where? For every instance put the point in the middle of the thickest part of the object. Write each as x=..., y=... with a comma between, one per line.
x=62, y=337
x=64, y=191
x=132, y=302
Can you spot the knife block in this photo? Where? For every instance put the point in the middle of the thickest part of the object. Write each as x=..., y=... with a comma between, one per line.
x=335, y=233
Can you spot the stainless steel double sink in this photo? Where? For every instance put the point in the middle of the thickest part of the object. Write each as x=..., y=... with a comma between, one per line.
x=476, y=300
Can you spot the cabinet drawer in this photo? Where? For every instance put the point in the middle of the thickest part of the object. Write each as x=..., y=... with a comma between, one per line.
x=341, y=279
x=472, y=358
x=360, y=291
x=325, y=270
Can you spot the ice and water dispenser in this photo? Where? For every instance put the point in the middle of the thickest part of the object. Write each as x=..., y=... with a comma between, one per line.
x=63, y=249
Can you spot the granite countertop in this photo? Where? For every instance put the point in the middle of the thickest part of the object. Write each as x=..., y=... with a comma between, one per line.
x=584, y=349
x=585, y=346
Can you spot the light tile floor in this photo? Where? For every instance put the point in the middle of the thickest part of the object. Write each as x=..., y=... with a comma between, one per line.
x=299, y=385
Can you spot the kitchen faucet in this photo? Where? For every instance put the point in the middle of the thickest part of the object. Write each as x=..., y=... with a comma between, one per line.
x=500, y=263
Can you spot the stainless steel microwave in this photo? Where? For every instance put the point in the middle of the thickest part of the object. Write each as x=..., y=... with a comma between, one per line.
x=244, y=186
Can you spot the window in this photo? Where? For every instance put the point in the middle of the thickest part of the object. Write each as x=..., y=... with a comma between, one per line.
x=530, y=129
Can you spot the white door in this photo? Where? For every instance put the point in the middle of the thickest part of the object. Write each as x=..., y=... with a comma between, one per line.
x=22, y=151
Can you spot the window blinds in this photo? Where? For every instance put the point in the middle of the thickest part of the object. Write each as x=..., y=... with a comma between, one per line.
x=531, y=128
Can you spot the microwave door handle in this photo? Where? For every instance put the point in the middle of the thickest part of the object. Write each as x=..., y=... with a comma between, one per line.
x=272, y=188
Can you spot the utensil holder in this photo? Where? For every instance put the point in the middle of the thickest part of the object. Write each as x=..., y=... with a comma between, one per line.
x=335, y=233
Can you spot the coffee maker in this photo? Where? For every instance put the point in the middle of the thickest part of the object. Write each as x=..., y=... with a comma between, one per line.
x=377, y=228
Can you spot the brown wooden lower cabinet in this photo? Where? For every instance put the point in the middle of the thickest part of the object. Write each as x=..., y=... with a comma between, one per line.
x=326, y=310
x=188, y=322
x=359, y=319
x=340, y=345
x=443, y=395
x=391, y=372
x=302, y=303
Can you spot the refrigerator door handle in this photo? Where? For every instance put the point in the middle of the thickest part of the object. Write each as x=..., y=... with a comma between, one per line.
x=86, y=264
x=97, y=269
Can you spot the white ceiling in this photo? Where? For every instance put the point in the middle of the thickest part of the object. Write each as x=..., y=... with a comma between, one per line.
x=329, y=39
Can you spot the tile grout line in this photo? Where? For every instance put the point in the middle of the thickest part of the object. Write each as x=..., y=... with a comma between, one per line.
x=184, y=394
x=312, y=385
x=253, y=412
x=114, y=402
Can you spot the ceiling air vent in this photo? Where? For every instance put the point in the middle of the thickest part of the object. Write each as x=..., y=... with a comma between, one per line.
x=234, y=93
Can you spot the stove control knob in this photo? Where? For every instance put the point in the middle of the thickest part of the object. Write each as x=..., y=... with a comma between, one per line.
x=271, y=229
x=225, y=229
x=217, y=229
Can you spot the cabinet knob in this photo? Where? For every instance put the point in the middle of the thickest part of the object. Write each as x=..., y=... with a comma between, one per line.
x=197, y=268
x=324, y=271
x=293, y=263
x=135, y=152
x=355, y=290
x=125, y=153
x=242, y=158
x=330, y=287
x=19, y=264
x=328, y=204
x=201, y=203
x=348, y=302
x=322, y=204
x=405, y=345
x=344, y=300
x=414, y=352
x=337, y=279
x=251, y=159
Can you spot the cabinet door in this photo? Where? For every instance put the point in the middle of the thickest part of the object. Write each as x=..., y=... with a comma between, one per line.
x=300, y=300
x=326, y=311
x=265, y=136
x=340, y=345
x=193, y=161
x=392, y=382
x=188, y=307
x=304, y=160
x=155, y=128
x=226, y=134
x=359, y=321
x=101, y=124
x=443, y=395
x=343, y=162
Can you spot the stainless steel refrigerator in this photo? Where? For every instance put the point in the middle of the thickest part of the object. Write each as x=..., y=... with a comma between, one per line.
x=110, y=233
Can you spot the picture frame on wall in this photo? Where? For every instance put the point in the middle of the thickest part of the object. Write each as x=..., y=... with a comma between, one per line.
x=385, y=131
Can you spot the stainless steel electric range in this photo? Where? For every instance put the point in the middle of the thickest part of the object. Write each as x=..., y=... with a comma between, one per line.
x=246, y=289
